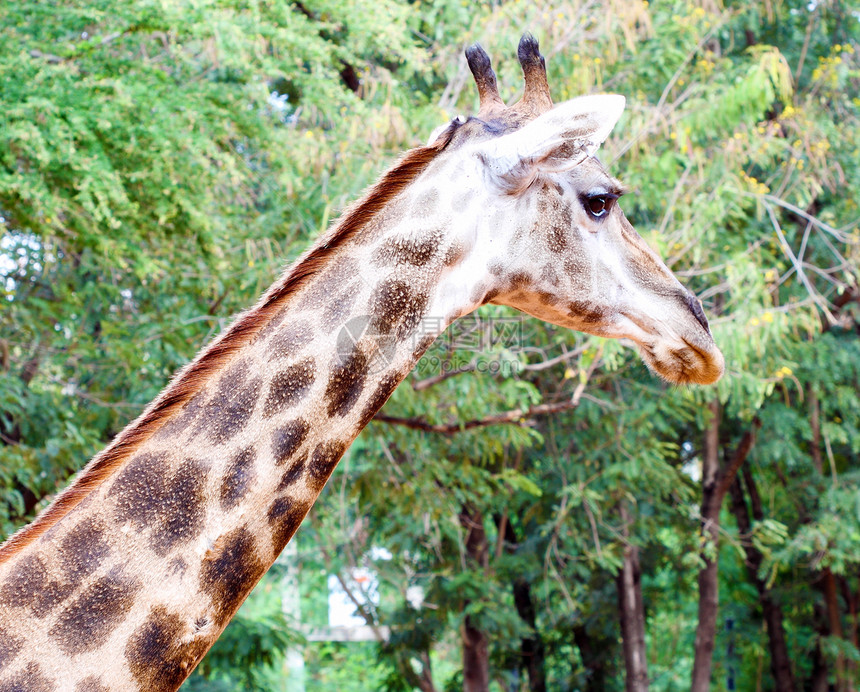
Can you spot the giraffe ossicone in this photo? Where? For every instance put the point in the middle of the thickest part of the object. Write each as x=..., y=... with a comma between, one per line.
x=130, y=575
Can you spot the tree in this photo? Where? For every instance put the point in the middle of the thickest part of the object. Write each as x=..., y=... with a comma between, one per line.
x=151, y=182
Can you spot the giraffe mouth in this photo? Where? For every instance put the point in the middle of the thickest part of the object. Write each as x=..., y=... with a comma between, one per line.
x=678, y=349
x=687, y=363
x=710, y=362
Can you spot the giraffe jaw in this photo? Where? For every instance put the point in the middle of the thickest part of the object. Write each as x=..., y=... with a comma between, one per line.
x=689, y=358
x=692, y=358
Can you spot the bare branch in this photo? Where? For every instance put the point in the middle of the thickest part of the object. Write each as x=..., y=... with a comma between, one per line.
x=567, y=355
x=801, y=274
x=515, y=416
x=838, y=233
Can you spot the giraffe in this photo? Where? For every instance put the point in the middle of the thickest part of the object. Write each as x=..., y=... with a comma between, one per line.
x=130, y=575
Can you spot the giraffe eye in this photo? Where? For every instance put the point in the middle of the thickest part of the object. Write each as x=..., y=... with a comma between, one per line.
x=599, y=205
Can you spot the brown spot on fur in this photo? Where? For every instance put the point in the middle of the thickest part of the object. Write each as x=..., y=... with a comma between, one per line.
x=377, y=400
x=272, y=325
x=229, y=410
x=233, y=378
x=423, y=344
x=293, y=473
x=490, y=295
x=238, y=478
x=542, y=201
x=519, y=280
x=183, y=420
x=184, y=506
x=31, y=679
x=346, y=383
x=396, y=308
x=157, y=656
x=414, y=251
x=339, y=309
x=139, y=489
x=578, y=269
x=585, y=312
x=478, y=293
x=285, y=516
x=426, y=201
x=287, y=439
x=87, y=622
x=83, y=549
x=232, y=413
x=323, y=460
x=91, y=684
x=178, y=566
x=193, y=378
x=557, y=237
x=288, y=341
x=289, y=387
x=453, y=254
x=172, y=505
x=340, y=270
x=556, y=216
x=550, y=275
x=10, y=645
x=29, y=586
x=648, y=272
x=389, y=218
x=229, y=572
x=495, y=268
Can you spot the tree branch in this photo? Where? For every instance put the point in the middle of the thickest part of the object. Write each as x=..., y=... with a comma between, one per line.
x=515, y=416
x=52, y=59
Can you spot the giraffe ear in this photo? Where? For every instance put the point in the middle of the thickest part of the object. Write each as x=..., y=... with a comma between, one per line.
x=558, y=140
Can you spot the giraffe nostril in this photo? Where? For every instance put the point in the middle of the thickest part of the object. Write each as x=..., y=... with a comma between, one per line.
x=695, y=306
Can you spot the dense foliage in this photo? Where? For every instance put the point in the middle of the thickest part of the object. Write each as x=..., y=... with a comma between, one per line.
x=160, y=160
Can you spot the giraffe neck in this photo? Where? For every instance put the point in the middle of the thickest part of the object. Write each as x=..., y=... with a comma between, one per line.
x=131, y=587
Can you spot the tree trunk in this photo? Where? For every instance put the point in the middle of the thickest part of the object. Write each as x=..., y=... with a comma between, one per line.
x=476, y=656
x=819, y=681
x=707, y=579
x=476, y=660
x=425, y=680
x=531, y=648
x=532, y=656
x=632, y=612
x=827, y=580
x=716, y=481
x=594, y=659
x=851, y=601
x=780, y=663
x=834, y=622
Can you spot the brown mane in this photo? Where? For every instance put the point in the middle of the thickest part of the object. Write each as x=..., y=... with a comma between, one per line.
x=247, y=325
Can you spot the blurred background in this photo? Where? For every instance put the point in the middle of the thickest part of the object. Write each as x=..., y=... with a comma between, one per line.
x=162, y=160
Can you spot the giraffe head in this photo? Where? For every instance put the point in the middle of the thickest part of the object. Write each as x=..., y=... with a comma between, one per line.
x=543, y=232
